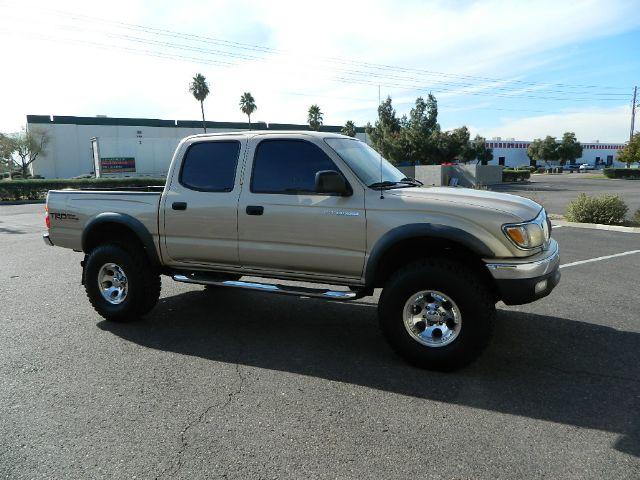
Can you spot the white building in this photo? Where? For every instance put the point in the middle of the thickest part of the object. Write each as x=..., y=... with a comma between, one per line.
x=143, y=145
x=513, y=153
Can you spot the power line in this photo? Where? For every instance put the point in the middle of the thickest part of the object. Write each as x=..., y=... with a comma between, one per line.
x=353, y=76
x=633, y=113
x=343, y=61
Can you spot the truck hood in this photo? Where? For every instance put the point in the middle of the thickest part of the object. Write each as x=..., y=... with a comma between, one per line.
x=520, y=207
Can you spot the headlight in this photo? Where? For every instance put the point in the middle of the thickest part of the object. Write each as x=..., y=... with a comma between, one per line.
x=529, y=235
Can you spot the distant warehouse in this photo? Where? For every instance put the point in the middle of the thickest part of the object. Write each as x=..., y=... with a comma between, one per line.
x=144, y=146
x=124, y=146
x=512, y=153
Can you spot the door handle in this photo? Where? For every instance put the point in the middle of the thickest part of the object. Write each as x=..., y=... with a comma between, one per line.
x=179, y=205
x=255, y=210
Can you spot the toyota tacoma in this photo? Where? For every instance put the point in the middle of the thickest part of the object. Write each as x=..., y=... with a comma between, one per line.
x=319, y=208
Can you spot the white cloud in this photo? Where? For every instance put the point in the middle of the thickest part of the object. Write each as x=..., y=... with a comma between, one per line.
x=605, y=124
x=488, y=38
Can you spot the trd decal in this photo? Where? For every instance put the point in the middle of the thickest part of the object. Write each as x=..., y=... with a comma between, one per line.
x=64, y=216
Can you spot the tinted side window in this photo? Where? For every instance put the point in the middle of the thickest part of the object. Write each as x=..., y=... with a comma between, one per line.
x=288, y=166
x=210, y=166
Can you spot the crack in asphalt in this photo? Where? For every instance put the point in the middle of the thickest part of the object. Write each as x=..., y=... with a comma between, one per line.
x=175, y=467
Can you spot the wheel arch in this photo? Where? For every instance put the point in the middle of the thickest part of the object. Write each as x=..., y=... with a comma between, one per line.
x=411, y=242
x=112, y=225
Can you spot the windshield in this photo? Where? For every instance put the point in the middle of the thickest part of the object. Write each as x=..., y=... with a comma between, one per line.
x=365, y=161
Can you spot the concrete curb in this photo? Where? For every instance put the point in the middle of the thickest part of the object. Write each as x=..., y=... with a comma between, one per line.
x=22, y=202
x=596, y=226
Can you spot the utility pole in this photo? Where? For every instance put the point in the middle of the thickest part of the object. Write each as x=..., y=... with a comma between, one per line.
x=633, y=113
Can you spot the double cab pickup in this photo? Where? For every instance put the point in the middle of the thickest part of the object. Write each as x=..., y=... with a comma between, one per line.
x=317, y=208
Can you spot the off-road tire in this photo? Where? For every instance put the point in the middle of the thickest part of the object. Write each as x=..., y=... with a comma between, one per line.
x=144, y=282
x=475, y=301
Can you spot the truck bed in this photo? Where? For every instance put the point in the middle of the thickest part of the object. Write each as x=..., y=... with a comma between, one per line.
x=70, y=211
x=148, y=188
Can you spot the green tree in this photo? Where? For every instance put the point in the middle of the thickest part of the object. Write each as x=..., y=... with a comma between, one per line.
x=349, y=129
x=199, y=88
x=315, y=117
x=7, y=148
x=534, y=152
x=569, y=148
x=385, y=134
x=483, y=154
x=29, y=145
x=417, y=131
x=461, y=139
x=545, y=150
x=631, y=151
x=452, y=145
x=248, y=105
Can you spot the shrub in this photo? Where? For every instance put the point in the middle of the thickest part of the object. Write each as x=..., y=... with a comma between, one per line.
x=37, y=189
x=636, y=216
x=511, y=175
x=626, y=173
x=606, y=209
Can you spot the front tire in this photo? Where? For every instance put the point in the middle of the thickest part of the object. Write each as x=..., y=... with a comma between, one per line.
x=437, y=314
x=120, y=282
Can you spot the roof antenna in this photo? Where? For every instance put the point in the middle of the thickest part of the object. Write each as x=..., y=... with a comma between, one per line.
x=381, y=187
x=379, y=154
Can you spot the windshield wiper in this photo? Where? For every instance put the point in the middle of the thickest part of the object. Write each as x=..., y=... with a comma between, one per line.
x=405, y=182
x=412, y=181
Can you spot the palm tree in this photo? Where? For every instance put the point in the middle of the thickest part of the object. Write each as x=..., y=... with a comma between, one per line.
x=315, y=117
x=248, y=105
x=200, y=89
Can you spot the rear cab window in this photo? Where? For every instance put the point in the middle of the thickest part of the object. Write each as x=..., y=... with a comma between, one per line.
x=288, y=167
x=210, y=166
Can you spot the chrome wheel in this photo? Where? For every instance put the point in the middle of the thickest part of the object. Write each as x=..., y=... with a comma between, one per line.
x=432, y=318
x=112, y=283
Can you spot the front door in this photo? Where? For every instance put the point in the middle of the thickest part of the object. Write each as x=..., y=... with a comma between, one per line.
x=285, y=226
x=201, y=208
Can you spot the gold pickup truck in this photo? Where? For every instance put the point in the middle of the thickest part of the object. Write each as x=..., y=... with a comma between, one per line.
x=318, y=208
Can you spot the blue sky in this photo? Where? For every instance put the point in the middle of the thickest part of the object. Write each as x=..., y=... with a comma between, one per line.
x=510, y=69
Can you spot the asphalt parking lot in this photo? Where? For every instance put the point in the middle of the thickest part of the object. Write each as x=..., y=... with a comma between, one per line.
x=555, y=191
x=232, y=384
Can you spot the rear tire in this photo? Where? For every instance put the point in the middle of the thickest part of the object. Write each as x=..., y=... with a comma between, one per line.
x=120, y=282
x=437, y=314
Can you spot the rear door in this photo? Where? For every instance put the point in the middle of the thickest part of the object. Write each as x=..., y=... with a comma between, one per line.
x=200, y=208
x=284, y=226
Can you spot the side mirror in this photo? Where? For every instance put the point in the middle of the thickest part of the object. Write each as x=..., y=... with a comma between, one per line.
x=332, y=183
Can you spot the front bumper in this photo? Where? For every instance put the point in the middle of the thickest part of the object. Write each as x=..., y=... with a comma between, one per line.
x=521, y=281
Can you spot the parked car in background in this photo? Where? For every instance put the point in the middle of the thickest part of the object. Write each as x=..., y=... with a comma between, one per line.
x=586, y=166
x=572, y=167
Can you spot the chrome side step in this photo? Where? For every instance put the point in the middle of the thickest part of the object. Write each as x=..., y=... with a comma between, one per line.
x=268, y=287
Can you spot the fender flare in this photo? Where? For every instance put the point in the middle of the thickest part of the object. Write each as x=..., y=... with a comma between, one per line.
x=135, y=225
x=421, y=230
